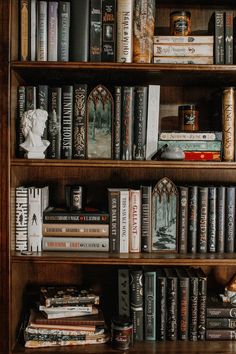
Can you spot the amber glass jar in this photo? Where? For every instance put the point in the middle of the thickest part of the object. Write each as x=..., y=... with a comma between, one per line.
x=180, y=23
x=189, y=117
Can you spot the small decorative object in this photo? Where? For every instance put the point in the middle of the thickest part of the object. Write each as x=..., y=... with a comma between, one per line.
x=75, y=196
x=230, y=291
x=172, y=153
x=122, y=333
x=33, y=123
x=189, y=117
x=180, y=23
x=164, y=216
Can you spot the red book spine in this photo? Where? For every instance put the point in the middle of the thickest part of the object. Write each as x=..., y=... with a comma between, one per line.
x=202, y=156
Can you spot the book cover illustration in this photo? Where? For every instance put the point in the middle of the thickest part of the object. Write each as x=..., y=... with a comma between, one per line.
x=100, y=118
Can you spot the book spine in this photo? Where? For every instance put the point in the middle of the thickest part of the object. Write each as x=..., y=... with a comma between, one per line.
x=33, y=21
x=202, y=298
x=146, y=217
x=220, y=312
x=135, y=221
x=95, y=43
x=183, y=219
x=144, y=23
x=114, y=211
x=219, y=37
x=220, y=323
x=24, y=29
x=192, y=219
x=161, y=306
x=202, y=136
x=30, y=98
x=230, y=220
x=124, y=221
x=229, y=37
x=108, y=30
x=193, y=308
x=212, y=219
x=67, y=121
x=171, y=308
x=150, y=305
x=140, y=122
x=63, y=30
x=125, y=9
x=79, y=121
x=123, y=293
x=21, y=219
x=79, y=30
x=220, y=334
x=52, y=30
x=183, y=60
x=21, y=98
x=76, y=218
x=75, y=230
x=183, y=39
x=42, y=22
x=136, y=303
x=152, y=120
x=42, y=103
x=35, y=219
x=190, y=50
x=202, y=219
x=228, y=122
x=54, y=123
x=186, y=145
x=76, y=244
x=220, y=219
x=117, y=123
x=183, y=308
x=202, y=156
x=127, y=122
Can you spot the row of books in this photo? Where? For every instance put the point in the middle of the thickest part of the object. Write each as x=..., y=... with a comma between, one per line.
x=164, y=303
x=121, y=123
x=87, y=30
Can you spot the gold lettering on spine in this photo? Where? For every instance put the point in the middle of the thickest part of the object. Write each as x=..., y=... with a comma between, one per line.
x=228, y=118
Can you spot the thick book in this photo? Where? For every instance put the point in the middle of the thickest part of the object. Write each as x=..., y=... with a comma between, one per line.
x=220, y=323
x=108, y=45
x=152, y=129
x=212, y=217
x=125, y=10
x=183, y=304
x=183, y=60
x=127, y=122
x=193, y=305
x=140, y=122
x=59, y=215
x=202, y=219
x=181, y=50
x=24, y=30
x=219, y=37
x=229, y=46
x=200, y=135
x=230, y=199
x=52, y=30
x=191, y=145
x=220, y=221
x=216, y=308
x=57, y=243
x=123, y=292
x=95, y=24
x=143, y=30
x=220, y=334
x=146, y=218
x=63, y=30
x=135, y=221
x=202, y=298
x=67, y=122
x=42, y=30
x=228, y=124
x=79, y=30
x=82, y=230
x=117, y=123
x=79, y=121
x=183, y=39
x=161, y=303
x=192, y=218
x=136, y=303
x=54, y=122
x=150, y=305
x=21, y=218
x=183, y=219
x=171, y=303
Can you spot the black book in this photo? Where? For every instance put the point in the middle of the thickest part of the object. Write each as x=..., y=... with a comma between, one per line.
x=220, y=323
x=79, y=121
x=30, y=98
x=136, y=302
x=149, y=305
x=192, y=218
x=54, y=123
x=183, y=304
x=161, y=304
x=95, y=43
x=216, y=308
x=140, y=122
x=79, y=30
x=127, y=122
x=229, y=44
x=220, y=220
x=183, y=219
x=123, y=292
x=193, y=305
x=146, y=217
x=63, y=30
x=20, y=110
x=42, y=103
x=117, y=123
x=108, y=30
x=202, y=219
x=202, y=298
x=212, y=215
x=67, y=118
x=219, y=37
x=230, y=219
x=171, y=303
x=220, y=334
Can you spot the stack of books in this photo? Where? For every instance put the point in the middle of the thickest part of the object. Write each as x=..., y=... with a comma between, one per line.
x=183, y=50
x=65, y=316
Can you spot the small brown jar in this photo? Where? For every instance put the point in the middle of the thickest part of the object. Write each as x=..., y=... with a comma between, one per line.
x=189, y=117
x=180, y=23
x=122, y=333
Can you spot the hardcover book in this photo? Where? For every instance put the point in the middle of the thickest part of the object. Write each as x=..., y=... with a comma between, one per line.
x=67, y=122
x=161, y=303
x=152, y=129
x=114, y=212
x=150, y=305
x=63, y=30
x=21, y=219
x=67, y=243
x=24, y=30
x=220, y=323
x=54, y=123
x=135, y=221
x=140, y=122
x=33, y=23
x=202, y=155
x=136, y=302
x=52, y=30
x=181, y=50
x=228, y=123
x=216, y=308
x=127, y=122
x=83, y=230
x=79, y=121
x=183, y=39
x=30, y=97
x=117, y=123
x=183, y=219
x=183, y=304
x=95, y=43
x=230, y=199
x=123, y=292
x=191, y=145
x=124, y=220
x=200, y=135
x=146, y=218
x=229, y=16
x=192, y=219
x=193, y=305
x=212, y=216
x=220, y=221
x=42, y=30
x=184, y=60
x=219, y=37
x=59, y=215
x=202, y=219
x=21, y=98
x=125, y=10
x=202, y=298
x=108, y=30
x=171, y=303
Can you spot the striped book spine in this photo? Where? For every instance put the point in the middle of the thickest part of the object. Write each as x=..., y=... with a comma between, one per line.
x=21, y=219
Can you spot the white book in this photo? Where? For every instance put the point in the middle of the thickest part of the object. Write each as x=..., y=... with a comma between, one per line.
x=75, y=313
x=152, y=120
x=124, y=37
x=184, y=60
x=181, y=50
x=79, y=308
x=135, y=221
x=21, y=219
x=42, y=53
x=183, y=39
x=52, y=30
x=33, y=30
x=124, y=221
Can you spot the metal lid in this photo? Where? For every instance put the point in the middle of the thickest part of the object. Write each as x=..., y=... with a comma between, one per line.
x=188, y=106
x=181, y=13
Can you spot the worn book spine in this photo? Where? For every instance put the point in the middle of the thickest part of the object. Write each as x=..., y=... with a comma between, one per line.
x=33, y=22
x=24, y=30
x=183, y=219
x=54, y=123
x=150, y=305
x=63, y=30
x=161, y=304
x=193, y=305
x=219, y=37
x=202, y=219
x=94, y=230
x=100, y=244
x=135, y=221
x=192, y=219
x=183, y=304
x=79, y=30
x=95, y=43
x=52, y=30
x=202, y=136
x=21, y=219
x=212, y=216
x=125, y=9
x=117, y=123
x=123, y=292
x=140, y=122
x=171, y=303
x=67, y=122
x=42, y=30
x=220, y=323
x=191, y=145
x=20, y=110
x=114, y=211
x=220, y=334
x=228, y=123
x=230, y=219
x=127, y=122
x=220, y=221
x=220, y=311
x=136, y=303
x=144, y=23
x=146, y=218
x=181, y=50
x=79, y=121
x=183, y=39
x=152, y=129
x=124, y=221
x=183, y=60
x=202, y=298
x=108, y=45
x=30, y=98
x=229, y=17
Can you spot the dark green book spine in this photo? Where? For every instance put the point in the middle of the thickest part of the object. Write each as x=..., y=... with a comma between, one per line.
x=140, y=122
x=67, y=119
x=127, y=122
x=192, y=218
x=54, y=123
x=117, y=123
x=150, y=305
x=219, y=37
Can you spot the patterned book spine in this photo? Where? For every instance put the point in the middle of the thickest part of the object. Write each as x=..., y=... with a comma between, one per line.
x=124, y=221
x=136, y=302
x=171, y=304
x=161, y=304
x=95, y=43
x=21, y=109
x=183, y=39
x=220, y=219
x=42, y=103
x=202, y=298
x=228, y=122
x=212, y=219
x=67, y=117
x=21, y=214
x=114, y=211
x=79, y=121
x=219, y=37
x=202, y=219
x=135, y=221
x=229, y=17
x=63, y=30
x=183, y=60
x=192, y=219
x=186, y=145
x=183, y=304
x=42, y=22
x=123, y=293
x=183, y=219
x=33, y=21
x=98, y=244
x=117, y=123
x=146, y=218
x=30, y=98
x=152, y=120
x=193, y=305
x=108, y=30
x=125, y=10
x=230, y=219
x=140, y=120
x=150, y=305
x=216, y=323
x=181, y=50
x=144, y=22
x=52, y=31
x=54, y=123
x=127, y=122
x=202, y=136
x=24, y=29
